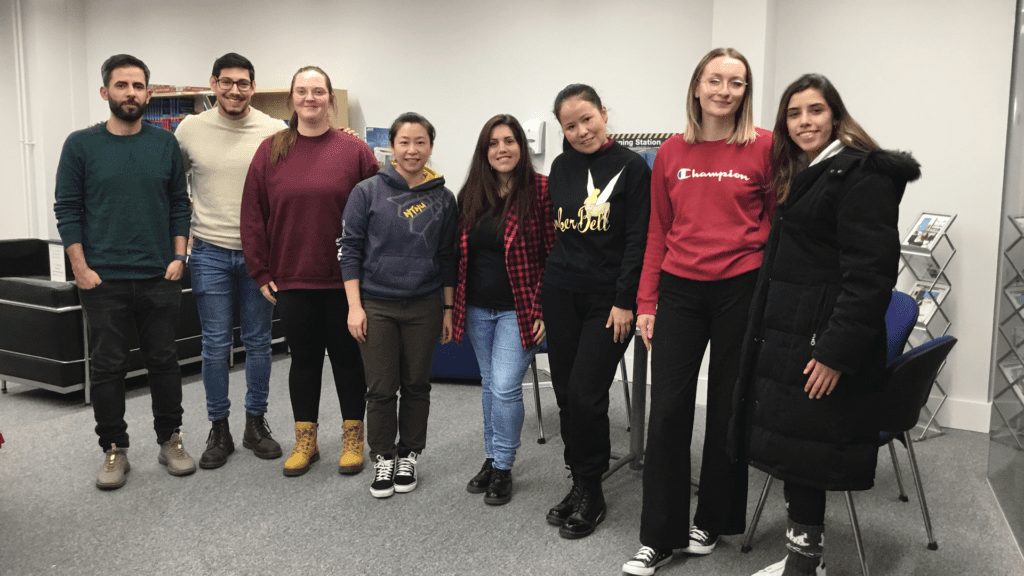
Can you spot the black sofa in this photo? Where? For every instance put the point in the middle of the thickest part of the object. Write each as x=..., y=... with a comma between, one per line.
x=43, y=342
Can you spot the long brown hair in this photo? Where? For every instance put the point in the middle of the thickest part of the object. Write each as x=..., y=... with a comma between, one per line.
x=743, y=129
x=480, y=195
x=787, y=157
x=282, y=142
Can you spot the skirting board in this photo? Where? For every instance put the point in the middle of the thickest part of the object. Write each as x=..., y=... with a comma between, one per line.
x=964, y=414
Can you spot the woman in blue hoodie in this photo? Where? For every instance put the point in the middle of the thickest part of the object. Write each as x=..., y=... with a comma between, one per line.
x=397, y=258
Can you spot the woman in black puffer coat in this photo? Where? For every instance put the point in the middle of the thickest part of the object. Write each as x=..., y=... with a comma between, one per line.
x=813, y=364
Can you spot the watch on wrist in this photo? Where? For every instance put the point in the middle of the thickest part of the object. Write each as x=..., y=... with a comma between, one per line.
x=180, y=257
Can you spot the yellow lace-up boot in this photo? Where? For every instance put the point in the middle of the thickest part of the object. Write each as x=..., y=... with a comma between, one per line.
x=352, y=451
x=305, y=452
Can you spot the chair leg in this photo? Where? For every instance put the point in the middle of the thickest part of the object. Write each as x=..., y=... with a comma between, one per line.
x=932, y=544
x=625, y=392
x=856, y=533
x=3, y=386
x=536, y=400
x=899, y=475
x=757, y=515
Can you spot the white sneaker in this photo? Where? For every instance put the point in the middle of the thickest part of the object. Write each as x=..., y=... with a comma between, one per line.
x=701, y=542
x=779, y=567
x=405, y=473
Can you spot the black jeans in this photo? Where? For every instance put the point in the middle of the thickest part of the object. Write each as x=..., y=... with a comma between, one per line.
x=583, y=358
x=113, y=310
x=314, y=321
x=691, y=313
x=806, y=505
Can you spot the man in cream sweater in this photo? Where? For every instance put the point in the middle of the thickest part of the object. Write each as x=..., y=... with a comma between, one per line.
x=217, y=146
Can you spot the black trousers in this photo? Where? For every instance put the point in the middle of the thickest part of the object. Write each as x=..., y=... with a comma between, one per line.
x=114, y=310
x=806, y=505
x=583, y=358
x=314, y=321
x=690, y=314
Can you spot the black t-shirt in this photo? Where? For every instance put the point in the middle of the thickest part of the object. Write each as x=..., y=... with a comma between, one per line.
x=487, y=283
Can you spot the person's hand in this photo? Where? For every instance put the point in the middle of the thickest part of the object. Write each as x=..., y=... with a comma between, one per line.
x=174, y=270
x=87, y=279
x=349, y=131
x=622, y=321
x=822, y=380
x=645, y=324
x=539, y=333
x=268, y=290
x=446, y=327
x=357, y=323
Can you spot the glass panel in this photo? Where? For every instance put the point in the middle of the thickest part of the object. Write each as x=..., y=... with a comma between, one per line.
x=1006, y=446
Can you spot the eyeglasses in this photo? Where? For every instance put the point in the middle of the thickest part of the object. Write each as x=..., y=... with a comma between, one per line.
x=226, y=84
x=735, y=85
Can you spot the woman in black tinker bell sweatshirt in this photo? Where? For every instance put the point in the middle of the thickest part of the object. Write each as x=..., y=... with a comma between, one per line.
x=600, y=195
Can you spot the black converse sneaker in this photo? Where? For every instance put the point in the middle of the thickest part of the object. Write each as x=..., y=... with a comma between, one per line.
x=405, y=473
x=646, y=561
x=384, y=480
x=701, y=541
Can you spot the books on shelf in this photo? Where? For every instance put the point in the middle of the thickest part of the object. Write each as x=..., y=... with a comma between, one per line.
x=927, y=231
x=928, y=297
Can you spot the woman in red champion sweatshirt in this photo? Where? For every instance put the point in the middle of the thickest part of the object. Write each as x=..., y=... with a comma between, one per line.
x=711, y=210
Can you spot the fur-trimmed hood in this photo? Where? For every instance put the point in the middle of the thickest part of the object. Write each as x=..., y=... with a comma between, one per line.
x=898, y=165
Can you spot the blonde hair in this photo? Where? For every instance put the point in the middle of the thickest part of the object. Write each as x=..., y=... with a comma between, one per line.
x=743, y=132
x=282, y=142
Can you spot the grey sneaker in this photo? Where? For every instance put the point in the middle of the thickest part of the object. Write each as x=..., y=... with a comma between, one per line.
x=114, y=471
x=173, y=455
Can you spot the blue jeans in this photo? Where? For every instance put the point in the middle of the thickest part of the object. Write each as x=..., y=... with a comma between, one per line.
x=499, y=351
x=121, y=313
x=220, y=284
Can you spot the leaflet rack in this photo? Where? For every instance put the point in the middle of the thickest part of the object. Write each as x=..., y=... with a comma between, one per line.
x=925, y=255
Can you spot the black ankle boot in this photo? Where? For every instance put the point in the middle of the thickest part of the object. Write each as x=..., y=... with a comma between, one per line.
x=588, y=514
x=480, y=482
x=561, y=511
x=218, y=445
x=500, y=490
x=258, y=439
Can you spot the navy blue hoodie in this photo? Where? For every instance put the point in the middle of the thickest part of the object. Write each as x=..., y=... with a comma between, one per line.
x=399, y=242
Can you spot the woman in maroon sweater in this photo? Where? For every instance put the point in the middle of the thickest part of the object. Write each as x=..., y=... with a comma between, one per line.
x=506, y=231
x=295, y=193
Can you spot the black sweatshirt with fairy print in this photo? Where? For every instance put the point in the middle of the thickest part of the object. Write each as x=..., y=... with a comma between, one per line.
x=601, y=203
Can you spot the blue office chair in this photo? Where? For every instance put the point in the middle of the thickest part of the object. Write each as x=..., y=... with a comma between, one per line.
x=909, y=384
x=536, y=392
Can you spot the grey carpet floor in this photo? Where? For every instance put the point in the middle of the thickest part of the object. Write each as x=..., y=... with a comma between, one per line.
x=247, y=518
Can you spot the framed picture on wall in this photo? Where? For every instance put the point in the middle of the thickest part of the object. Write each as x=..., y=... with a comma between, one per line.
x=928, y=297
x=926, y=232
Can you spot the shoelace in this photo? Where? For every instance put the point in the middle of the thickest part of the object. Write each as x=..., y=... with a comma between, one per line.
x=699, y=535
x=112, y=458
x=262, y=428
x=407, y=466
x=384, y=468
x=176, y=447
x=304, y=443
x=645, y=554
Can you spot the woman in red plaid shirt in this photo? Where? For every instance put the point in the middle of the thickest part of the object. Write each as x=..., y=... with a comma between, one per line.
x=506, y=231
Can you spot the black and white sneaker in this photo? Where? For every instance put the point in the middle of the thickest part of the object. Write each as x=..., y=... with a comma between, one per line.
x=405, y=473
x=646, y=561
x=384, y=480
x=701, y=541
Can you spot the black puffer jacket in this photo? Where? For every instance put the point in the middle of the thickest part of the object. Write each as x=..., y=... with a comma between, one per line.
x=825, y=283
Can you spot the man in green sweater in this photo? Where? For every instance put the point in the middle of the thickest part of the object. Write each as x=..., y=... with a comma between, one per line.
x=217, y=147
x=123, y=215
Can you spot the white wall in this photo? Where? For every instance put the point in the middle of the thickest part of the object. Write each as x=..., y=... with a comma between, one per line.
x=15, y=217
x=931, y=77
x=913, y=72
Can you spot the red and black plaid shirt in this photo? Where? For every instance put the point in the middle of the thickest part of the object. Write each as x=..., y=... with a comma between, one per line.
x=526, y=251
